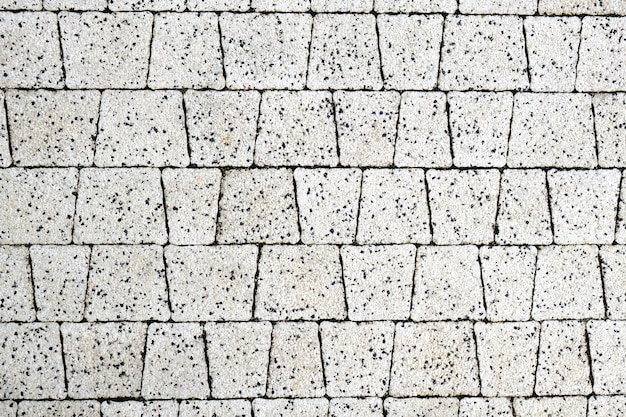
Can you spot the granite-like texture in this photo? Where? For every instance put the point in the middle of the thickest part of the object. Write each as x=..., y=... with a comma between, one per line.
x=607, y=341
x=485, y=407
x=613, y=263
x=234, y=408
x=306, y=407
x=139, y=409
x=68, y=408
x=16, y=289
x=551, y=406
x=409, y=407
x=5, y=151
x=610, y=124
x=348, y=407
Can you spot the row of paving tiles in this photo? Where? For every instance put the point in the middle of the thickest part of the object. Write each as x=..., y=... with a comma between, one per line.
x=326, y=51
x=316, y=282
x=311, y=128
x=312, y=206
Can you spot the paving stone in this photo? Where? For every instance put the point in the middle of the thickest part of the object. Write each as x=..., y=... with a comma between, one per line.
x=508, y=274
x=103, y=360
x=238, y=355
x=152, y=5
x=584, y=205
x=607, y=346
x=258, y=206
x=366, y=127
x=426, y=407
x=211, y=283
x=280, y=5
x=8, y=408
x=139, y=409
x=222, y=126
x=409, y=48
x=563, y=366
x=53, y=128
x=393, y=207
x=344, y=53
x=191, y=204
x=602, y=55
x=296, y=128
x=483, y=53
x=507, y=357
x=379, y=281
x=568, y=283
x=218, y=5
x=88, y=408
x=552, y=45
x=295, y=368
x=497, y=7
x=60, y=279
x=32, y=53
x=479, y=128
x=233, y=408
x=265, y=51
x=357, y=358
x=554, y=407
x=299, y=283
x=552, y=130
x=523, y=213
x=16, y=288
x=322, y=6
x=5, y=151
x=613, y=263
x=485, y=407
x=610, y=127
x=447, y=284
x=106, y=50
x=463, y=205
x=38, y=205
x=423, y=138
x=592, y=7
x=362, y=407
x=31, y=363
x=127, y=283
x=415, y=6
x=129, y=133
x=434, y=359
x=328, y=202
x=75, y=4
x=306, y=407
x=620, y=232
x=614, y=406
x=120, y=205
x=175, y=365
x=20, y=5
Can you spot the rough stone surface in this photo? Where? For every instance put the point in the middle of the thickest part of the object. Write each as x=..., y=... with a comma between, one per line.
x=307, y=407
x=435, y=407
x=139, y=409
x=232, y=408
x=485, y=407
x=613, y=406
x=613, y=263
x=606, y=347
x=415, y=6
x=86, y=408
x=555, y=406
x=5, y=151
x=16, y=291
x=521, y=7
x=365, y=407
x=610, y=124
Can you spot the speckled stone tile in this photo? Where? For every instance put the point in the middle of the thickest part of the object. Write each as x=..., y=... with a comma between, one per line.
x=258, y=206
x=103, y=359
x=306, y=407
x=16, y=287
x=447, y=284
x=523, y=213
x=328, y=203
x=563, y=367
x=552, y=44
x=60, y=279
x=498, y=6
x=211, y=283
x=415, y=6
x=379, y=281
x=38, y=205
x=88, y=408
x=366, y=127
x=614, y=406
x=175, y=365
x=602, y=56
x=296, y=128
x=106, y=50
x=592, y=7
x=553, y=407
x=140, y=5
x=584, y=205
x=5, y=151
x=552, y=130
x=127, y=282
x=568, y=283
x=32, y=54
x=300, y=283
x=8, y=408
x=120, y=205
x=607, y=346
x=295, y=368
x=613, y=263
x=409, y=48
x=139, y=409
x=52, y=128
x=265, y=51
x=610, y=125
x=280, y=5
x=344, y=53
x=483, y=53
x=186, y=51
x=218, y=5
x=238, y=355
x=485, y=407
x=393, y=207
x=620, y=232
x=508, y=274
x=423, y=136
x=357, y=358
x=75, y=4
x=191, y=204
x=427, y=407
x=31, y=363
x=20, y=5
x=325, y=6
x=463, y=205
x=362, y=407
x=222, y=127
x=233, y=408
x=129, y=134
x=479, y=128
